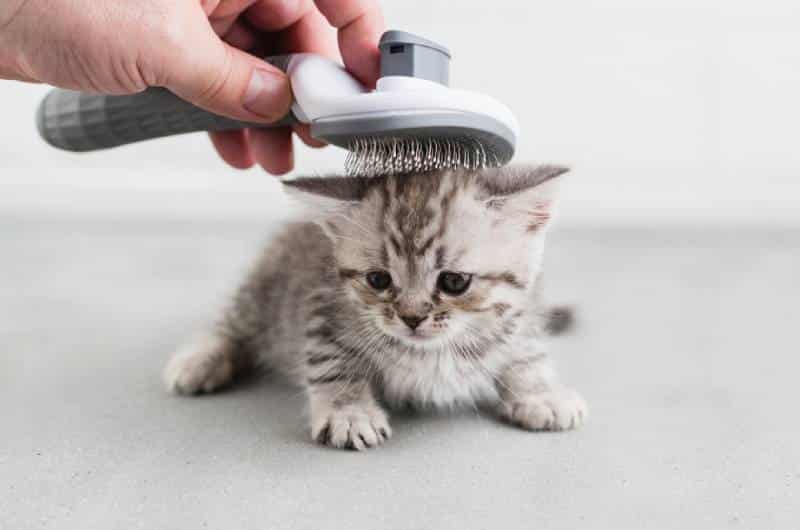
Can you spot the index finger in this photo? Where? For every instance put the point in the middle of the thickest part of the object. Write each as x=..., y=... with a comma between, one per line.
x=360, y=25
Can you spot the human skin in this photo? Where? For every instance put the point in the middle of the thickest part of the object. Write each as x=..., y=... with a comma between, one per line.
x=205, y=51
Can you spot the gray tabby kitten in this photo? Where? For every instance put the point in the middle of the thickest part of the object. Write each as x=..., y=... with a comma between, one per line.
x=416, y=290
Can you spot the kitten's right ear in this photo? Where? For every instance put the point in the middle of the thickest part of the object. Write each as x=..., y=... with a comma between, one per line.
x=330, y=189
x=326, y=198
x=322, y=195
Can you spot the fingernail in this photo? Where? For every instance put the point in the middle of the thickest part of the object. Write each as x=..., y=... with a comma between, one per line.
x=267, y=94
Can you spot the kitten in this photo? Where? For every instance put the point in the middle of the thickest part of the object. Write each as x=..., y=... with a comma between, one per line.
x=406, y=290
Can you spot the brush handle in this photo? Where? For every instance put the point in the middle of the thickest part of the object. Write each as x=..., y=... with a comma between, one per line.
x=79, y=121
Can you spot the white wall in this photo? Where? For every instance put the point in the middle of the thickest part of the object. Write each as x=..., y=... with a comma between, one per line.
x=682, y=110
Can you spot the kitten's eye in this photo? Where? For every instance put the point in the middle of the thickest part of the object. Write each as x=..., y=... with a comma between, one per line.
x=379, y=280
x=454, y=283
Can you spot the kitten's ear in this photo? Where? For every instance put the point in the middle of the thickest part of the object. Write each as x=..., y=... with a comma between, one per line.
x=326, y=193
x=523, y=193
x=325, y=200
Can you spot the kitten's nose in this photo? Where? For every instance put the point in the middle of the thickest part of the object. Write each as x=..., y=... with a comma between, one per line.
x=413, y=321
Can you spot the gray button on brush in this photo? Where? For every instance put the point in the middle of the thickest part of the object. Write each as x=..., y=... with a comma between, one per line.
x=412, y=56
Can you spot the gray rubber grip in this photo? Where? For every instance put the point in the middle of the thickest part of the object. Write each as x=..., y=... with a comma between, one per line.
x=78, y=121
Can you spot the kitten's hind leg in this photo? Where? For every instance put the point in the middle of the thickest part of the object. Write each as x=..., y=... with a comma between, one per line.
x=205, y=365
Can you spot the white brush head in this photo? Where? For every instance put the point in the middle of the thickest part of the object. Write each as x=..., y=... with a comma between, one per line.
x=406, y=125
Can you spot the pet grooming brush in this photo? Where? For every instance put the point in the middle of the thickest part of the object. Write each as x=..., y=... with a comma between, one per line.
x=411, y=122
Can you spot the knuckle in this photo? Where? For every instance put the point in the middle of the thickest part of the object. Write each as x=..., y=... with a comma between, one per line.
x=162, y=41
x=210, y=93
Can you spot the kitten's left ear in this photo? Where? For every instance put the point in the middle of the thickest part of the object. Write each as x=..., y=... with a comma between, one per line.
x=523, y=193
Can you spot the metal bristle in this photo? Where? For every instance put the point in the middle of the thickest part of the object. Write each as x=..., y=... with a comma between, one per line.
x=375, y=156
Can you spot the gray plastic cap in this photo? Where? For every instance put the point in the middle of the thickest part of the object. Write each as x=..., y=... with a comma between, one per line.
x=409, y=55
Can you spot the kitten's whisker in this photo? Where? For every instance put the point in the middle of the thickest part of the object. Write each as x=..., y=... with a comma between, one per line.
x=345, y=238
x=352, y=221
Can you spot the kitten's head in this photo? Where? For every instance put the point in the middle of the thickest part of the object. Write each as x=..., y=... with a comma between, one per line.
x=437, y=258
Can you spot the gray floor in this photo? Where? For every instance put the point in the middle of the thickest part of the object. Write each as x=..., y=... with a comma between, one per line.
x=686, y=351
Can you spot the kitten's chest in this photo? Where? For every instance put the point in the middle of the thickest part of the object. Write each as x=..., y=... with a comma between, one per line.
x=440, y=379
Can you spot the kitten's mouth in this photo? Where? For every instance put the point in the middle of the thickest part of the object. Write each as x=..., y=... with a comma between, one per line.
x=414, y=336
x=418, y=336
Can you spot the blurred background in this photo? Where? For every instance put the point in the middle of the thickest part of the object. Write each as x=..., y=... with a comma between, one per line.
x=669, y=112
x=678, y=243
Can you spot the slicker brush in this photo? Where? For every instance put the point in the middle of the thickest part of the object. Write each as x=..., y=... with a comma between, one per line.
x=412, y=122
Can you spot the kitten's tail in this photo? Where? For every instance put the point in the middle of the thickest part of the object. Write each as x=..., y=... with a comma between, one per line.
x=559, y=319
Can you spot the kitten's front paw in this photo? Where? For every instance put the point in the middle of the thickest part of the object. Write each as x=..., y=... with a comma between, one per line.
x=354, y=426
x=554, y=410
x=202, y=366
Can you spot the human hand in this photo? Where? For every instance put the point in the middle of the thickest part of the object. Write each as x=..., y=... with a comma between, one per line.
x=198, y=49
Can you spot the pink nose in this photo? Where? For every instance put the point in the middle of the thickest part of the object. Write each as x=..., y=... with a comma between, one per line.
x=413, y=321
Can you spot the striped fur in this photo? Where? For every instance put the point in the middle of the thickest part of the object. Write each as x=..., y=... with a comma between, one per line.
x=308, y=309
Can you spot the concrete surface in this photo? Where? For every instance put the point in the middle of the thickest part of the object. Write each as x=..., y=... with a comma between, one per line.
x=687, y=352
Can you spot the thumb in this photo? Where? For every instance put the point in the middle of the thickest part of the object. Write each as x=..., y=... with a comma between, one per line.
x=222, y=79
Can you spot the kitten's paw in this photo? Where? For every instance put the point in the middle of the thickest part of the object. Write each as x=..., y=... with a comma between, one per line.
x=353, y=426
x=555, y=410
x=201, y=366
